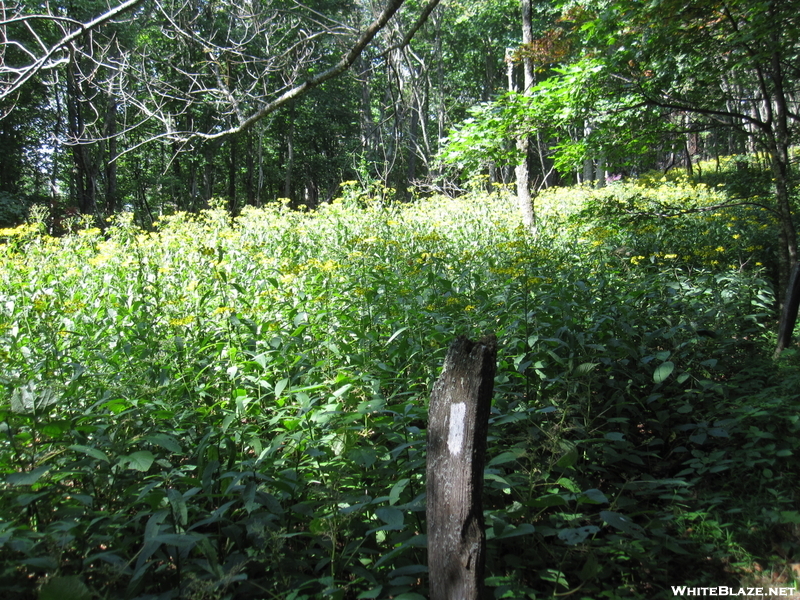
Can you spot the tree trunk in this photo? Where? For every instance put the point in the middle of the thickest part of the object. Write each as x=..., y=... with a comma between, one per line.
x=458, y=424
x=209, y=173
x=779, y=143
x=523, y=143
x=232, y=168
x=789, y=313
x=249, y=165
x=289, y=165
x=411, y=147
x=111, y=160
x=600, y=173
x=84, y=180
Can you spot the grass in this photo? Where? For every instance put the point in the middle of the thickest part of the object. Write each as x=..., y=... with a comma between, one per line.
x=237, y=409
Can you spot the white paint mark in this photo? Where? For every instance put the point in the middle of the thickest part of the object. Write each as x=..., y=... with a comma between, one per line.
x=455, y=436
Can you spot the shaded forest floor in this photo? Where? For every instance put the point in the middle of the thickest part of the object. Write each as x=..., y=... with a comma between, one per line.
x=237, y=409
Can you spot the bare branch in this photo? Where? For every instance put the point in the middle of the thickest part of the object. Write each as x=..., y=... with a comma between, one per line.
x=21, y=75
x=340, y=67
x=423, y=17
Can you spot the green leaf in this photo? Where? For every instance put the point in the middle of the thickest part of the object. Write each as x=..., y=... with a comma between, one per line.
x=510, y=531
x=548, y=501
x=504, y=458
x=342, y=390
x=585, y=368
x=663, y=371
x=569, y=458
x=280, y=386
x=622, y=523
x=45, y=563
x=568, y=484
x=576, y=536
x=93, y=452
x=29, y=398
x=179, y=509
x=55, y=428
x=397, y=489
x=139, y=461
x=592, y=496
x=393, y=518
x=394, y=335
x=65, y=588
x=590, y=568
x=27, y=478
x=165, y=441
x=290, y=424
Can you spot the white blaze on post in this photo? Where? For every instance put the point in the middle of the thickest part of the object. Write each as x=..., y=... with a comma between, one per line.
x=455, y=435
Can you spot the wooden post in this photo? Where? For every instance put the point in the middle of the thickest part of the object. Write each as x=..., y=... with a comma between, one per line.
x=458, y=421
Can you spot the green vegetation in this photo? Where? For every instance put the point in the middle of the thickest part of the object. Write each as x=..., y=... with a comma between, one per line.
x=237, y=408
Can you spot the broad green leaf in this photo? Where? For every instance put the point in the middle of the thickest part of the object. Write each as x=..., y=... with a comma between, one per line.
x=568, y=484
x=576, y=536
x=55, y=428
x=45, y=563
x=153, y=526
x=663, y=371
x=180, y=511
x=590, y=568
x=592, y=496
x=182, y=540
x=504, y=483
x=93, y=452
x=27, y=478
x=622, y=523
x=417, y=541
x=397, y=489
x=291, y=424
x=504, y=458
x=409, y=570
x=393, y=517
x=509, y=531
x=549, y=500
x=139, y=461
x=280, y=386
x=165, y=441
x=569, y=458
x=342, y=390
x=65, y=588
x=29, y=398
x=585, y=368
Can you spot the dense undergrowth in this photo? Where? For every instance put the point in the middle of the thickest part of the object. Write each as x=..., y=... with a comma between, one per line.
x=237, y=409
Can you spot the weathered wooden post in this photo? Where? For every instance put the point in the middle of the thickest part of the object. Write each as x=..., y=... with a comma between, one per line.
x=458, y=421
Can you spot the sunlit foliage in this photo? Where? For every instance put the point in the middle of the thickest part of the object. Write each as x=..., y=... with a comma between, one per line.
x=229, y=408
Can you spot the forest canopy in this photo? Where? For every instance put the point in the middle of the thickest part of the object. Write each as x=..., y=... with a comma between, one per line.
x=156, y=106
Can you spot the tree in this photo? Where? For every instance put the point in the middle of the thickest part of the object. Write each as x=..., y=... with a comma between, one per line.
x=657, y=74
x=536, y=115
x=523, y=141
x=192, y=76
x=727, y=64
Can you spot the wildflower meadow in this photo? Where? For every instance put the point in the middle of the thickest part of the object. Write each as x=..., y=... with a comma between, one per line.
x=220, y=408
